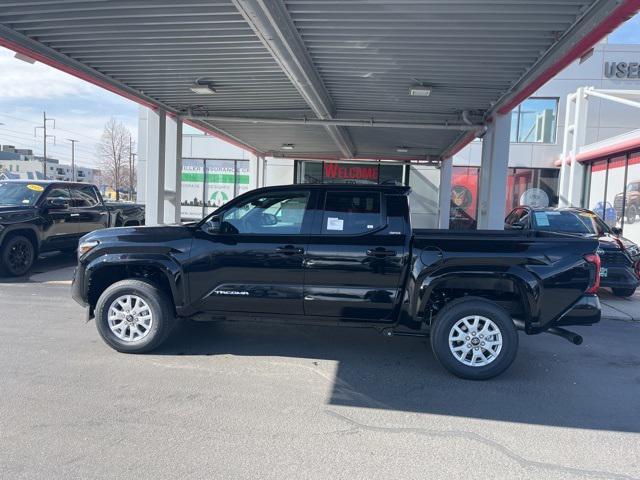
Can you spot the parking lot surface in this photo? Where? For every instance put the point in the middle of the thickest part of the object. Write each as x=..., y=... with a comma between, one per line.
x=238, y=401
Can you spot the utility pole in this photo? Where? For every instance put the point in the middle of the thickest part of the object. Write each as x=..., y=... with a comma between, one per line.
x=44, y=140
x=73, y=158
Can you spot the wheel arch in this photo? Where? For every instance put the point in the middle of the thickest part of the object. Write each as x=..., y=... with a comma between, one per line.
x=516, y=292
x=105, y=272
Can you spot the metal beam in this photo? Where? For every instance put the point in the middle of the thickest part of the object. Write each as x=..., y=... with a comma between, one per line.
x=335, y=122
x=273, y=26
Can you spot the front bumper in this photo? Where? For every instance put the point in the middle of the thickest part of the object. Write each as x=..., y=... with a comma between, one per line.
x=619, y=277
x=585, y=311
x=78, y=290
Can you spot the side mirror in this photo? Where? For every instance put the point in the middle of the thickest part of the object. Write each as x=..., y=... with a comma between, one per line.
x=515, y=226
x=616, y=230
x=213, y=225
x=269, y=219
x=56, y=204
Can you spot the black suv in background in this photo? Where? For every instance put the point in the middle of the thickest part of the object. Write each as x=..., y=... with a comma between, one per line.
x=38, y=216
x=618, y=255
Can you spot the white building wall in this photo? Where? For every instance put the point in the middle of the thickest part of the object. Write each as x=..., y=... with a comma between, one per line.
x=424, y=198
x=605, y=119
x=278, y=171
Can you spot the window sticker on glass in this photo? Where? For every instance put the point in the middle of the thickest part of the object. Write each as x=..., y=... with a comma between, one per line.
x=541, y=219
x=334, y=223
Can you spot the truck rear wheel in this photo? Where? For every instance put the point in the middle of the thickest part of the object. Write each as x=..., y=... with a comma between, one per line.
x=474, y=338
x=134, y=316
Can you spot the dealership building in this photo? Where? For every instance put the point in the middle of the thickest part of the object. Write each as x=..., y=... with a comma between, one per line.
x=359, y=92
x=214, y=171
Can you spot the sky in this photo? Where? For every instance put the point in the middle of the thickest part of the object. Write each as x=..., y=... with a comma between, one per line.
x=81, y=109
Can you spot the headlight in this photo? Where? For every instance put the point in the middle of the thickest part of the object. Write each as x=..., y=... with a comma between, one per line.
x=86, y=247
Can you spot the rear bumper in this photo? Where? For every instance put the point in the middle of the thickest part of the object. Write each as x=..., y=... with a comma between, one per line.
x=585, y=311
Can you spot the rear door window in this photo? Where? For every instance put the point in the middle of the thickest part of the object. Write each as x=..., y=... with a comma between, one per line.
x=350, y=213
x=84, y=197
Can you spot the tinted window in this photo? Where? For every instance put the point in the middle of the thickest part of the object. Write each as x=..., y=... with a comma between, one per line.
x=276, y=213
x=58, y=192
x=351, y=212
x=569, y=222
x=84, y=197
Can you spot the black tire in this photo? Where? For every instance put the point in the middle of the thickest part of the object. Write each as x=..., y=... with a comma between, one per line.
x=456, y=311
x=17, y=256
x=631, y=213
x=623, y=292
x=161, y=307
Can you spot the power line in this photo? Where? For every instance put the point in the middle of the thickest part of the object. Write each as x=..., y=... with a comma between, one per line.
x=44, y=140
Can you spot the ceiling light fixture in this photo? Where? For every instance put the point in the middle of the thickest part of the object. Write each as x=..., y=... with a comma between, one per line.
x=402, y=149
x=203, y=88
x=288, y=146
x=420, y=91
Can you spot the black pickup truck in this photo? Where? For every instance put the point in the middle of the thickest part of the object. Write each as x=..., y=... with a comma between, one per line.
x=340, y=255
x=38, y=216
x=619, y=257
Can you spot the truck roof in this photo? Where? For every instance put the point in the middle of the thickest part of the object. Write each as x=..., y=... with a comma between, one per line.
x=44, y=183
x=396, y=189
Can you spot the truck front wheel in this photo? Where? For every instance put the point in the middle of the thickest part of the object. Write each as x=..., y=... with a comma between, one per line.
x=134, y=316
x=474, y=338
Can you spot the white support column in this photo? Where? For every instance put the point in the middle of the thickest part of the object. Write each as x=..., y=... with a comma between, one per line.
x=444, y=200
x=254, y=172
x=575, y=132
x=155, y=157
x=173, y=170
x=493, y=174
x=576, y=173
x=141, y=164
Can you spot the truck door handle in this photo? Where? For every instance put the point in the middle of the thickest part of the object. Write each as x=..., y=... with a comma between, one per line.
x=74, y=215
x=289, y=250
x=381, y=252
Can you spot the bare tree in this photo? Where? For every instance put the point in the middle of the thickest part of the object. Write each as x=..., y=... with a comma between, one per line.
x=114, y=150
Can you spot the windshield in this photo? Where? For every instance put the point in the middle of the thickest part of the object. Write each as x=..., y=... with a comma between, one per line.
x=585, y=223
x=14, y=194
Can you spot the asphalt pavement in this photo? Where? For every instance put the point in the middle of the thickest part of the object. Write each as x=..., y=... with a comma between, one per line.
x=238, y=401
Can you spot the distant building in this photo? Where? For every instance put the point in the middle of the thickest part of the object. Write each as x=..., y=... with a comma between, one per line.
x=21, y=163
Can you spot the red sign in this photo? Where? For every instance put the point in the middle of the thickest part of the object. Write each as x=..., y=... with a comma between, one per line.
x=350, y=172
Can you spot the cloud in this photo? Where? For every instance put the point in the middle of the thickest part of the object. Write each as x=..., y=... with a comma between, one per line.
x=23, y=80
x=80, y=109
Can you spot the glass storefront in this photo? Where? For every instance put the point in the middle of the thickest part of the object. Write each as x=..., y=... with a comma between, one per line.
x=311, y=171
x=463, y=212
x=534, y=121
x=536, y=187
x=614, y=192
x=208, y=184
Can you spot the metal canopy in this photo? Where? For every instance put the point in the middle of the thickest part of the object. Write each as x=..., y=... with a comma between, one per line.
x=331, y=77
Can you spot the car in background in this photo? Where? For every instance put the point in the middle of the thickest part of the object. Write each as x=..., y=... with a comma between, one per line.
x=630, y=205
x=40, y=216
x=618, y=255
x=607, y=212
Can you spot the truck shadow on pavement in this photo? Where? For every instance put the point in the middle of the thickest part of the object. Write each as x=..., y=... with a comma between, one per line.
x=594, y=386
x=51, y=267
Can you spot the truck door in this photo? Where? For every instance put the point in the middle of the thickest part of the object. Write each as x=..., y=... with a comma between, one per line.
x=87, y=212
x=356, y=256
x=57, y=230
x=254, y=263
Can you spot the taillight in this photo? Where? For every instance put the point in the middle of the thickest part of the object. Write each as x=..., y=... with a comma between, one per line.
x=594, y=258
x=637, y=268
